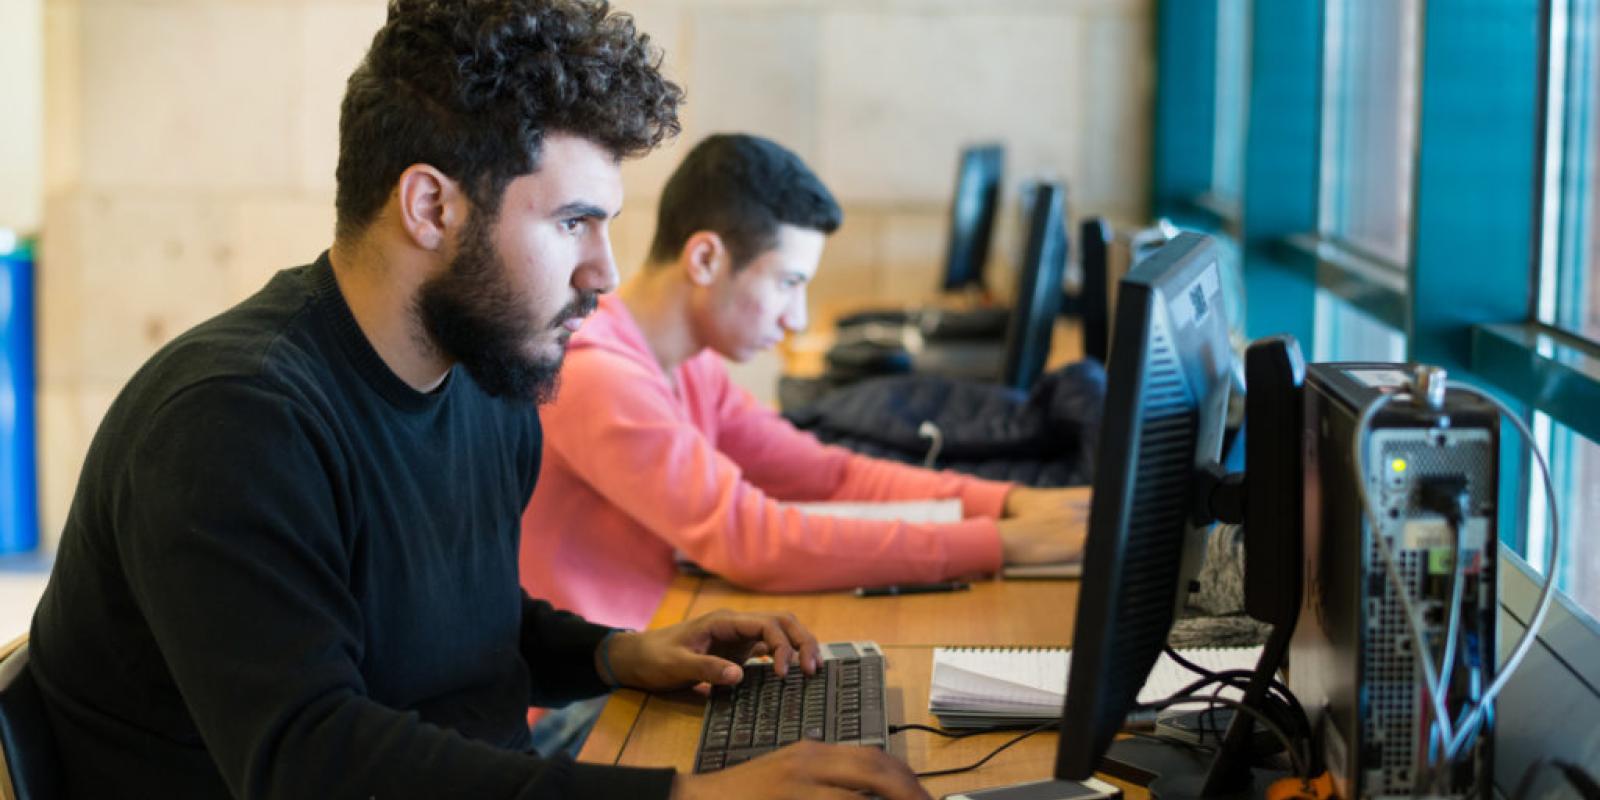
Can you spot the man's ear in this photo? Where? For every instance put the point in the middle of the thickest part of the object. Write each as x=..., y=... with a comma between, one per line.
x=703, y=255
x=431, y=206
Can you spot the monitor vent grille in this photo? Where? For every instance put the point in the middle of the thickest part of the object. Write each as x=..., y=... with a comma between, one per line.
x=1164, y=462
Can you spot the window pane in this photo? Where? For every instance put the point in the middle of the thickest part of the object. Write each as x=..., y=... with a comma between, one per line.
x=1570, y=296
x=1369, y=125
x=1575, y=469
x=1345, y=333
x=1233, y=70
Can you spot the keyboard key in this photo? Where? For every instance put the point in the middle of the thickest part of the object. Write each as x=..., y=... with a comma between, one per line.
x=842, y=702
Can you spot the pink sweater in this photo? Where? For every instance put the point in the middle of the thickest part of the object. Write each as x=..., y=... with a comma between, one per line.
x=633, y=469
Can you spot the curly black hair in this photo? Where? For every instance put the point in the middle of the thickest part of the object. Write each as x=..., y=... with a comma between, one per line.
x=742, y=187
x=471, y=87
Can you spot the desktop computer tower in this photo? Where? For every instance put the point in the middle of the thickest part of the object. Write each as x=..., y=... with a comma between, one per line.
x=1432, y=473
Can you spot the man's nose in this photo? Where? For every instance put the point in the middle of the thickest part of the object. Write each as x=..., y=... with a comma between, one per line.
x=597, y=272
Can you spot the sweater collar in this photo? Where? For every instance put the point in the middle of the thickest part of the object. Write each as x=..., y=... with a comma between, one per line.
x=342, y=323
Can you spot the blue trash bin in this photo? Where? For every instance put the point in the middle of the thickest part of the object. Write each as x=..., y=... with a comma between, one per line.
x=19, y=494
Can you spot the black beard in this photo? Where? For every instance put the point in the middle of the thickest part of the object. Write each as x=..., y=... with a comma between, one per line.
x=474, y=316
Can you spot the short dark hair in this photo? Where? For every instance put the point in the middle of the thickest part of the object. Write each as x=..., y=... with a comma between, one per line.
x=471, y=87
x=740, y=187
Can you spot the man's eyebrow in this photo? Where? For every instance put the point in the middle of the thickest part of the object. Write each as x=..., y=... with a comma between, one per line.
x=583, y=208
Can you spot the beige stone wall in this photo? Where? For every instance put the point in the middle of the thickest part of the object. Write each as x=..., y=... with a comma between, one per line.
x=190, y=147
x=21, y=109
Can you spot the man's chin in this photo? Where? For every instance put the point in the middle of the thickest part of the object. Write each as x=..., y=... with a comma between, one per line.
x=527, y=380
x=742, y=355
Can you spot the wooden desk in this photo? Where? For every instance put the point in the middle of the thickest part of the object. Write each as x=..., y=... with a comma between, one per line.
x=992, y=613
x=663, y=730
x=622, y=710
x=668, y=729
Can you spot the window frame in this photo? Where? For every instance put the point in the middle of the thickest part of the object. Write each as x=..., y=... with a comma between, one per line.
x=1475, y=140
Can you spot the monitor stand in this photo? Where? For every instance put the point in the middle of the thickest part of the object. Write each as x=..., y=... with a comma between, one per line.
x=1174, y=771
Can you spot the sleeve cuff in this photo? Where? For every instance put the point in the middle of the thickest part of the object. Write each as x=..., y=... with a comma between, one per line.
x=632, y=783
x=974, y=547
x=981, y=498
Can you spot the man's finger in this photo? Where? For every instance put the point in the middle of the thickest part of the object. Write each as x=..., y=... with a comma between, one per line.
x=715, y=671
x=760, y=627
x=806, y=641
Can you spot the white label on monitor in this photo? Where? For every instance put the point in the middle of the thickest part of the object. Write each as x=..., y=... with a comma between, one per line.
x=1380, y=378
x=1193, y=304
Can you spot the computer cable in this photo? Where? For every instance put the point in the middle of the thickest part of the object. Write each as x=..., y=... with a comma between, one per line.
x=1586, y=785
x=997, y=751
x=1287, y=713
x=960, y=734
x=1300, y=761
x=1455, y=737
x=1278, y=690
x=1447, y=496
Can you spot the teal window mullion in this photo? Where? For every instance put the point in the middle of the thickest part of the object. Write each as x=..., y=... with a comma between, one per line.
x=1185, y=104
x=1473, y=245
x=1281, y=166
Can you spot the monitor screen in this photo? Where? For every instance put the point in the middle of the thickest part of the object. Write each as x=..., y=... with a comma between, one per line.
x=1038, y=297
x=1166, y=407
x=972, y=215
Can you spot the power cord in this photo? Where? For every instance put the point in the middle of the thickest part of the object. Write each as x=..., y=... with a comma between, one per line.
x=1279, y=693
x=1456, y=734
x=1279, y=702
x=1299, y=761
x=961, y=734
x=980, y=762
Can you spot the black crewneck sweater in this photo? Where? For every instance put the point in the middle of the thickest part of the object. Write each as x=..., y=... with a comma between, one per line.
x=288, y=574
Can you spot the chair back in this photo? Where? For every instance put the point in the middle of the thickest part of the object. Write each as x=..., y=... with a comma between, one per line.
x=31, y=769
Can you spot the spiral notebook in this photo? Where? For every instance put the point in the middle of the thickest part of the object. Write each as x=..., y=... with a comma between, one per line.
x=976, y=687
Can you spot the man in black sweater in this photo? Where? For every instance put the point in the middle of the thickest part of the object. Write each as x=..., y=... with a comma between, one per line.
x=290, y=568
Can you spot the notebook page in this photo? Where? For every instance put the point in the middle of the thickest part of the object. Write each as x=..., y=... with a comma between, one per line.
x=1168, y=676
x=998, y=679
x=990, y=678
x=897, y=510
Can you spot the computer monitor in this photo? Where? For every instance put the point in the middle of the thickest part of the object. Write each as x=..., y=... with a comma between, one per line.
x=1038, y=295
x=1094, y=246
x=972, y=213
x=1167, y=392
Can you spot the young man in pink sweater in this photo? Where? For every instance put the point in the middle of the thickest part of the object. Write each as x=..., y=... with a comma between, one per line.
x=650, y=448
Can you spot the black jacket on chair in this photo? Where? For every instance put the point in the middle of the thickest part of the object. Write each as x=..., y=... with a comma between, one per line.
x=1045, y=437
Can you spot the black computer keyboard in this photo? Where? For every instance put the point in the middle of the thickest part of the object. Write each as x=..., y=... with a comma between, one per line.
x=987, y=323
x=967, y=325
x=842, y=703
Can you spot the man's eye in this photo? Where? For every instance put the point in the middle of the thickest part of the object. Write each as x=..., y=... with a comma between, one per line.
x=572, y=225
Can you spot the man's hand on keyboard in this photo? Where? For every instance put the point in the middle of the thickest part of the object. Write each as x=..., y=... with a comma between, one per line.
x=1024, y=501
x=1043, y=538
x=709, y=649
x=806, y=770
